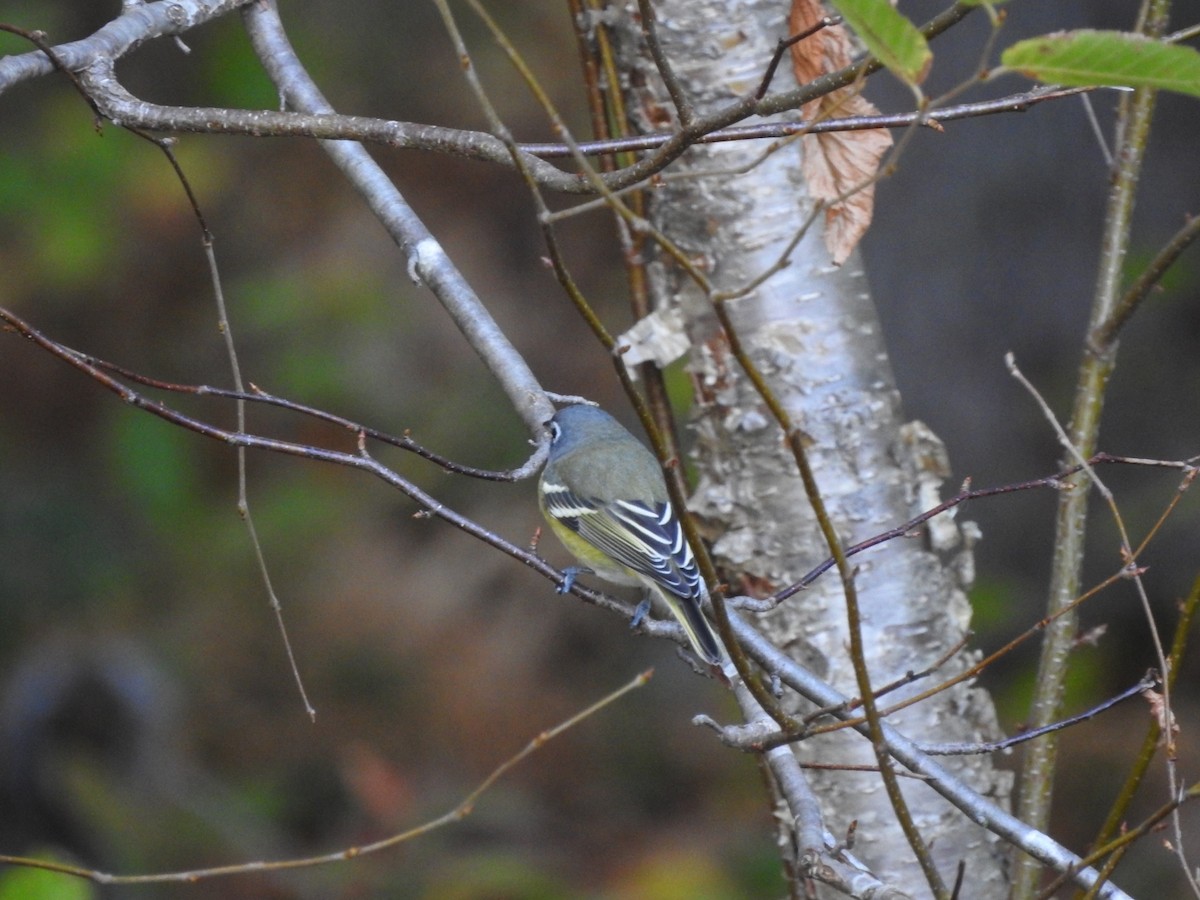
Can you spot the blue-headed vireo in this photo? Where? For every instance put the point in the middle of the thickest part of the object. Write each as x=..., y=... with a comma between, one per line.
x=604, y=496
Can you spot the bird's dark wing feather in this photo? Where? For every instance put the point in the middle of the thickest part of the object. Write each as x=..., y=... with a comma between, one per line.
x=646, y=538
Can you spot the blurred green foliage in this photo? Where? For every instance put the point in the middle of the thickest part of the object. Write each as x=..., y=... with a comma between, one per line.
x=38, y=884
x=429, y=660
x=129, y=595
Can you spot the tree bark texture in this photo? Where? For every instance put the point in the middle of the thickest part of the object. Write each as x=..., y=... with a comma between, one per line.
x=814, y=334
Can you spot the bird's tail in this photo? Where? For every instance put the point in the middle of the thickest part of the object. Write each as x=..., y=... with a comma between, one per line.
x=697, y=627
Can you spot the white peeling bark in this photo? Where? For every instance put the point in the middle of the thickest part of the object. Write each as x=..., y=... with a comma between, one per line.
x=815, y=336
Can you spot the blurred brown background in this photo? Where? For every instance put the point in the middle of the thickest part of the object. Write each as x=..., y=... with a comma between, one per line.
x=149, y=719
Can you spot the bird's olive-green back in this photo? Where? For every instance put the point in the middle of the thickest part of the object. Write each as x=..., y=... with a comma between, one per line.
x=611, y=468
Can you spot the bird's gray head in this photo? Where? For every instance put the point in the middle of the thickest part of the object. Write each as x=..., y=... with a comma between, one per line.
x=573, y=425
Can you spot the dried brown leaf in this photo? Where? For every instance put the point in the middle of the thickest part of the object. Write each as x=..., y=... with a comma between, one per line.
x=839, y=167
x=816, y=55
x=1165, y=718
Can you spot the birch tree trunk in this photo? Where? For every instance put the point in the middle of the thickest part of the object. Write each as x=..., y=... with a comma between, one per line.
x=815, y=336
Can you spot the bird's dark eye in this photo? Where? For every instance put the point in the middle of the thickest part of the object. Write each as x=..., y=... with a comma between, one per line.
x=555, y=432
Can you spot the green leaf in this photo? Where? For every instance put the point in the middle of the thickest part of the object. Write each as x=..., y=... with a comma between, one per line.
x=892, y=39
x=1106, y=58
x=20, y=883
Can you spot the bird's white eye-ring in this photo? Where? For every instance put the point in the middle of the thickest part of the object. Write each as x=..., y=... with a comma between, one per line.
x=555, y=432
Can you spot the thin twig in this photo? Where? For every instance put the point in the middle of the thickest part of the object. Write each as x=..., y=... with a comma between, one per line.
x=1019, y=102
x=978, y=808
x=224, y=327
x=1035, y=788
x=787, y=43
x=1118, y=845
x=1128, y=554
x=1101, y=338
x=258, y=395
x=428, y=262
x=462, y=810
x=243, y=500
x=1147, y=681
x=685, y=113
x=794, y=438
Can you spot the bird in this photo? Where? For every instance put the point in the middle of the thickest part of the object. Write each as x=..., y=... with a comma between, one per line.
x=603, y=494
